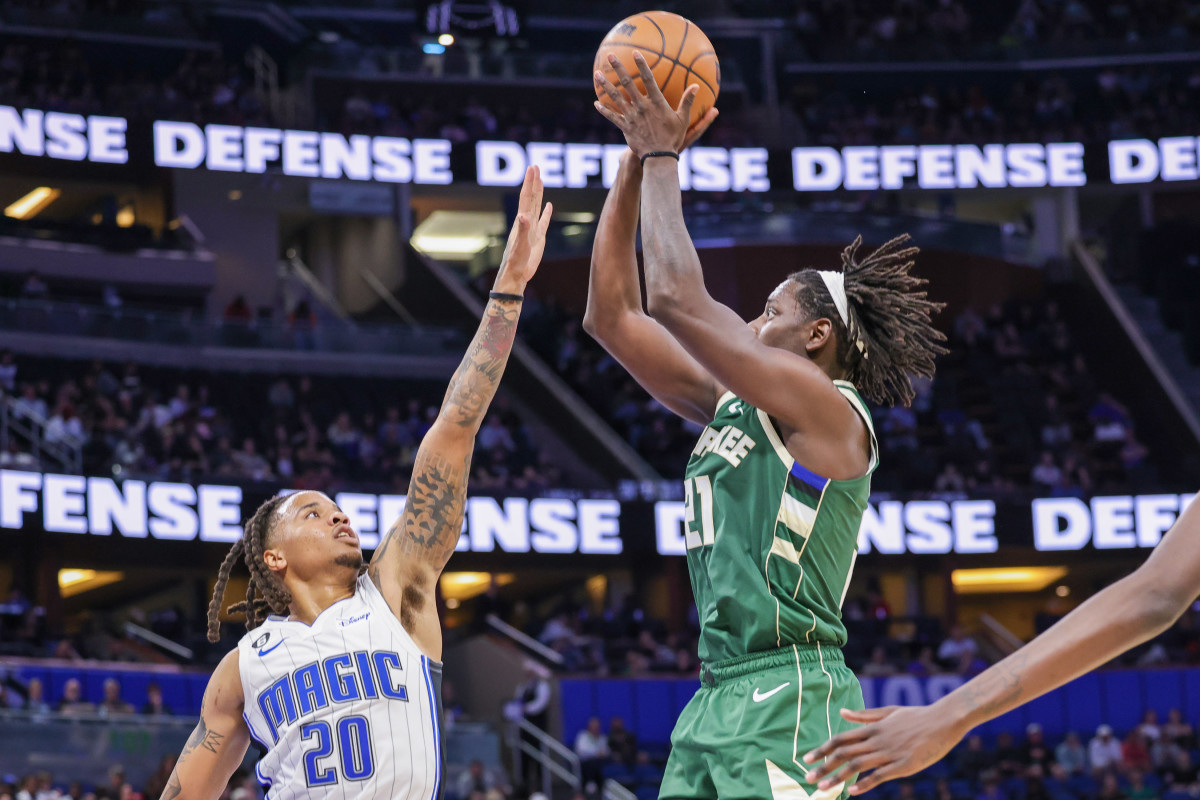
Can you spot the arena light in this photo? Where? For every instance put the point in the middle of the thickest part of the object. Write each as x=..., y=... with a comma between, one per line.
x=77, y=581
x=433, y=49
x=33, y=203
x=460, y=586
x=126, y=217
x=1005, y=579
x=457, y=235
x=450, y=245
x=446, y=39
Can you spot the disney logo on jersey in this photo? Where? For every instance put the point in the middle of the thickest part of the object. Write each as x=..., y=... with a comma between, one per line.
x=730, y=443
x=344, y=622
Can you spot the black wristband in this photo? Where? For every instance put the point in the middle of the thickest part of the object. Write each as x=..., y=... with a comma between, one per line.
x=654, y=153
x=504, y=296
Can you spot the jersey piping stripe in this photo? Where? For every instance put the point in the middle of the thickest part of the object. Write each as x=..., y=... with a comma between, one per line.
x=437, y=736
x=799, y=700
x=784, y=549
x=722, y=400
x=849, y=574
x=764, y=419
x=798, y=517
x=828, y=697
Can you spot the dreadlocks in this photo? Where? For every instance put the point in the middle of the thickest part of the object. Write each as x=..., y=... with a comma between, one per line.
x=265, y=594
x=889, y=325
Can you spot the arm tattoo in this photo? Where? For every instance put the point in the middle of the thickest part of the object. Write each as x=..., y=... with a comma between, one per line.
x=432, y=520
x=474, y=383
x=202, y=737
x=992, y=694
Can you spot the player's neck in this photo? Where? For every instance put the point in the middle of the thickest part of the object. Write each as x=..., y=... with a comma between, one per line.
x=309, y=599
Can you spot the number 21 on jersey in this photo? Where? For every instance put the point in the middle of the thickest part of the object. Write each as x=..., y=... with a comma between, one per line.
x=698, y=502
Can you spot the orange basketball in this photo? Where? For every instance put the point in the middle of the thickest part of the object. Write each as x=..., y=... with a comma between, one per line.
x=678, y=52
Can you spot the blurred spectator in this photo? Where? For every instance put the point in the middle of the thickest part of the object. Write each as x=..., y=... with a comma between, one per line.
x=955, y=646
x=481, y=781
x=35, y=698
x=1135, y=755
x=1071, y=755
x=113, y=704
x=591, y=745
x=1104, y=751
x=1178, y=730
x=973, y=759
x=154, y=701
x=531, y=702
x=878, y=666
x=34, y=288
x=622, y=742
x=72, y=700
x=1035, y=752
x=8, y=372
x=1110, y=789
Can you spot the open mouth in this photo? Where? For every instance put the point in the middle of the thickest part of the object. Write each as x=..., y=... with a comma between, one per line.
x=346, y=532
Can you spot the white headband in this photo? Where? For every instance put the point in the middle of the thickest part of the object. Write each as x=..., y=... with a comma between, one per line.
x=835, y=282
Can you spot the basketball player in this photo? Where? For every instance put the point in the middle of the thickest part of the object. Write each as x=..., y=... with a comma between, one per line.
x=901, y=741
x=777, y=484
x=338, y=677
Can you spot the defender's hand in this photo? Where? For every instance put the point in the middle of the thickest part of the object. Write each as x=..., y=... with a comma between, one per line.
x=893, y=742
x=527, y=240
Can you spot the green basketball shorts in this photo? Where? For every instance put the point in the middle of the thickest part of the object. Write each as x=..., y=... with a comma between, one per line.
x=744, y=733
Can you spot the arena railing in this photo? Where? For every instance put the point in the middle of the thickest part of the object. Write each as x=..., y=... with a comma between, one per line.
x=191, y=329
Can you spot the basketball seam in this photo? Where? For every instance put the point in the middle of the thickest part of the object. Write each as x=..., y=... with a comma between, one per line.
x=675, y=61
x=662, y=36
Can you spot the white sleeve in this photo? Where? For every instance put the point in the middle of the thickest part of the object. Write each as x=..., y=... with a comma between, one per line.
x=540, y=700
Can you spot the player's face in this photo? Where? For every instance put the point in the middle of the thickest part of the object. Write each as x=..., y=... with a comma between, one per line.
x=313, y=536
x=781, y=324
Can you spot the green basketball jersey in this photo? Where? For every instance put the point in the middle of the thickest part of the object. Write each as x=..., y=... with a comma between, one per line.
x=770, y=544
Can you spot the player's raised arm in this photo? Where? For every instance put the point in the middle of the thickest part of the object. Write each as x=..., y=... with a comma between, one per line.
x=218, y=744
x=711, y=332
x=414, y=551
x=615, y=317
x=902, y=741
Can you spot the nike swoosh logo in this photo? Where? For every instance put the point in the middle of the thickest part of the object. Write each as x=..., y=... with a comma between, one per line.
x=758, y=697
x=263, y=652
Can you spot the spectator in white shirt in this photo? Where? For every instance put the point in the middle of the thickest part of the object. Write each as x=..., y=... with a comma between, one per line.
x=1104, y=751
x=591, y=745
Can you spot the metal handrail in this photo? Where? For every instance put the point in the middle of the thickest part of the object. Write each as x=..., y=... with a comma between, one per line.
x=389, y=299
x=611, y=790
x=523, y=639
x=547, y=747
x=32, y=426
x=997, y=629
x=138, y=632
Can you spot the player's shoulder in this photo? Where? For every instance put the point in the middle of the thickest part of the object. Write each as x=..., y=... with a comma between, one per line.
x=224, y=690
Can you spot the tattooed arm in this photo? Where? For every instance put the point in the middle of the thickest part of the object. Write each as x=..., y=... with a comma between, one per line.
x=218, y=744
x=412, y=554
x=901, y=741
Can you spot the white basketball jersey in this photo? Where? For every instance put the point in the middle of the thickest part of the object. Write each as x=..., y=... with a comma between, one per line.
x=346, y=708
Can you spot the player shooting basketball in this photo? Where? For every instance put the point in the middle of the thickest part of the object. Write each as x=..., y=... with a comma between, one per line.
x=338, y=677
x=776, y=487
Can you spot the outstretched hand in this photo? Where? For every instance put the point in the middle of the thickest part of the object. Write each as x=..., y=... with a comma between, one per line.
x=647, y=120
x=527, y=240
x=893, y=742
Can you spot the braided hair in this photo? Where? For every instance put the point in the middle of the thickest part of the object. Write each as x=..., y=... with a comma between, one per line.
x=890, y=337
x=266, y=593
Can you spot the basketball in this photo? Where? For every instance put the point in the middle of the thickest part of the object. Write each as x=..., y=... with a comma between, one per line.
x=678, y=52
